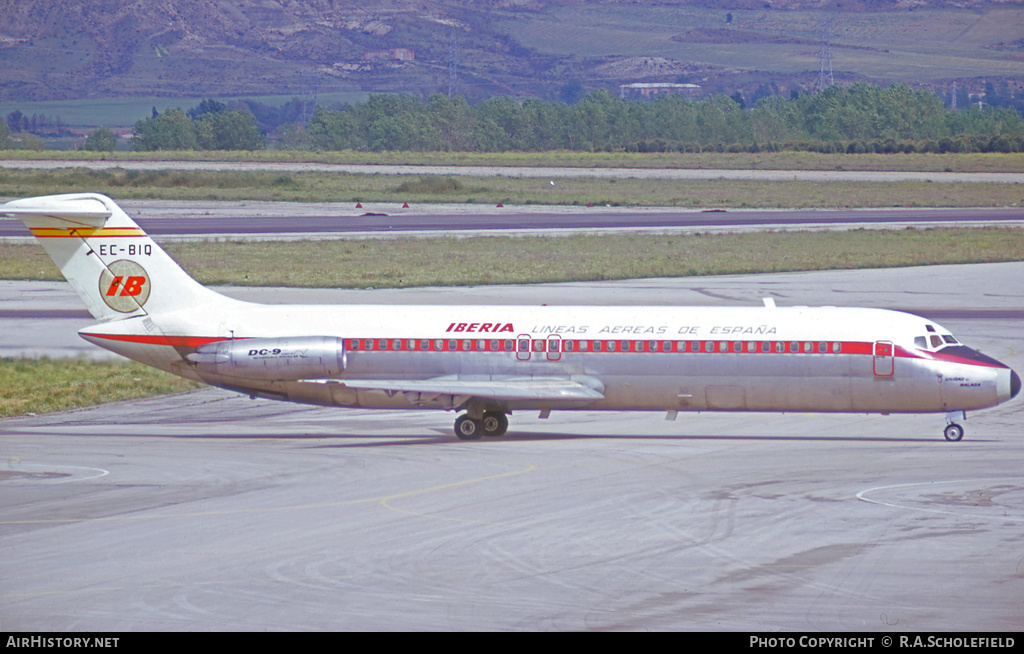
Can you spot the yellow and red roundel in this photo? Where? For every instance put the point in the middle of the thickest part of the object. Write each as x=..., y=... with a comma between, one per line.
x=124, y=286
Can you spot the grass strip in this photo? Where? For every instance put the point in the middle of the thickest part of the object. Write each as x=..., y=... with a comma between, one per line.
x=784, y=160
x=169, y=184
x=46, y=385
x=406, y=262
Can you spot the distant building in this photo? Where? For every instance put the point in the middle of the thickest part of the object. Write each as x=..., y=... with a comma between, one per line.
x=647, y=90
x=400, y=54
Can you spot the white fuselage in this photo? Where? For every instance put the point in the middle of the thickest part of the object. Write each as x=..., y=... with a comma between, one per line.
x=637, y=358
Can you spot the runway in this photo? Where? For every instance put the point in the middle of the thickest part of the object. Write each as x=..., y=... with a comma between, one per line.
x=209, y=511
x=170, y=220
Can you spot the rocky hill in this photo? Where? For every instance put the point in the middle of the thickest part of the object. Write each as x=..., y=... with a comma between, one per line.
x=70, y=49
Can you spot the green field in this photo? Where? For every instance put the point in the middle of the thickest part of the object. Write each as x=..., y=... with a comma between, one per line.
x=42, y=386
x=625, y=190
x=124, y=112
x=879, y=46
x=406, y=262
x=785, y=160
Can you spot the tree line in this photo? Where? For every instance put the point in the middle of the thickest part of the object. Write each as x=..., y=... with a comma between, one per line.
x=860, y=118
x=855, y=119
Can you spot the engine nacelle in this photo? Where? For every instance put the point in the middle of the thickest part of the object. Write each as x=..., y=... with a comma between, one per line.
x=272, y=359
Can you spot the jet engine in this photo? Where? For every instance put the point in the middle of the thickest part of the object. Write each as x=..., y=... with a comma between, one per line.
x=272, y=359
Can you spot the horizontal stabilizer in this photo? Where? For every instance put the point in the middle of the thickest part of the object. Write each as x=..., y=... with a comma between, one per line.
x=76, y=208
x=509, y=389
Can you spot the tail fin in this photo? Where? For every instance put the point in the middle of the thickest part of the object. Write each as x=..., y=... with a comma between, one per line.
x=113, y=265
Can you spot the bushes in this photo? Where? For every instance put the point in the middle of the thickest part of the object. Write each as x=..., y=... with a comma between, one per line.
x=174, y=130
x=101, y=140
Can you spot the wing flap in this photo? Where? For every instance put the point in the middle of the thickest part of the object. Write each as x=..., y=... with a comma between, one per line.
x=510, y=389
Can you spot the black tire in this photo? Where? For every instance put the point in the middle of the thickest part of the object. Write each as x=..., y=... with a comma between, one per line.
x=953, y=432
x=495, y=423
x=468, y=429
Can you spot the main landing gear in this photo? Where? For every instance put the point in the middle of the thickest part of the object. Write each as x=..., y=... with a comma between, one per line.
x=492, y=423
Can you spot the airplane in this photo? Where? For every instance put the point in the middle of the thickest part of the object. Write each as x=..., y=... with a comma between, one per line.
x=484, y=362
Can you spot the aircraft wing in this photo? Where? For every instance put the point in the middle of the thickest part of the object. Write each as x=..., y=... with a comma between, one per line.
x=510, y=388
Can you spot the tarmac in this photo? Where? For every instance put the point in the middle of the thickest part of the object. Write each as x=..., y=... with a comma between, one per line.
x=212, y=512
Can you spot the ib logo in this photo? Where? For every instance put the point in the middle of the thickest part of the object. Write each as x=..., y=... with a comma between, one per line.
x=124, y=286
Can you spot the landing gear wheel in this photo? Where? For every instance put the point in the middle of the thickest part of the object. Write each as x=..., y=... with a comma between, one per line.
x=495, y=423
x=953, y=432
x=468, y=429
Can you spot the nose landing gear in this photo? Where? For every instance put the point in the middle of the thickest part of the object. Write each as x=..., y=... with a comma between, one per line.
x=954, y=432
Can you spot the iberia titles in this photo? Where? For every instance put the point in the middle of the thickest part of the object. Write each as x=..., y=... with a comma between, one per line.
x=480, y=327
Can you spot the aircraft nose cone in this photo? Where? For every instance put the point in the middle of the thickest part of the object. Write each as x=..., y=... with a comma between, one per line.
x=1014, y=384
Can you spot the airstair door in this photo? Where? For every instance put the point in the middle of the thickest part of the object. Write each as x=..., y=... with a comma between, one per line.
x=884, y=359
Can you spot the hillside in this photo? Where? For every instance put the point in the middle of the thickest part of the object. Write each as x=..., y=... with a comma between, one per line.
x=79, y=49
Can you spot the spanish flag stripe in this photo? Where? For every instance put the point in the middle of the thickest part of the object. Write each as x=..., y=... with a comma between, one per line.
x=87, y=232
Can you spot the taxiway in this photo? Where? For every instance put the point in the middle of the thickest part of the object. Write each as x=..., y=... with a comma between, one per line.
x=209, y=511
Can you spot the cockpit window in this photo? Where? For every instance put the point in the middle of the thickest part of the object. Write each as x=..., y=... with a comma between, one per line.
x=934, y=341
